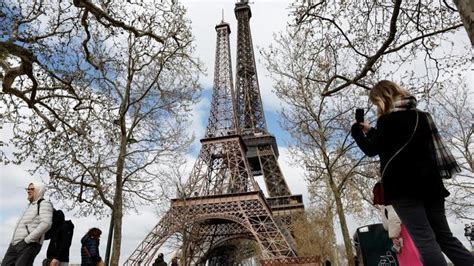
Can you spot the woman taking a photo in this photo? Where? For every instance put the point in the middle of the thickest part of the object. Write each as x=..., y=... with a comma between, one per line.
x=413, y=163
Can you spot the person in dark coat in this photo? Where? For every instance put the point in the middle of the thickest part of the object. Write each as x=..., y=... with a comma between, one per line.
x=90, y=247
x=174, y=261
x=413, y=161
x=60, y=242
x=160, y=261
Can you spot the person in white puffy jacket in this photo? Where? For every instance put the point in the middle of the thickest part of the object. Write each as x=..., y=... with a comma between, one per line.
x=30, y=230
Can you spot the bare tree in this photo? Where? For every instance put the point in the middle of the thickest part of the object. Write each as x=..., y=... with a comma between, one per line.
x=453, y=112
x=320, y=127
x=35, y=71
x=366, y=37
x=110, y=85
x=46, y=52
x=314, y=233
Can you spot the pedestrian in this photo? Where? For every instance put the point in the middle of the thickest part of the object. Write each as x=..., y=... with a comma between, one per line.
x=413, y=162
x=174, y=261
x=29, y=232
x=159, y=261
x=90, y=255
x=60, y=243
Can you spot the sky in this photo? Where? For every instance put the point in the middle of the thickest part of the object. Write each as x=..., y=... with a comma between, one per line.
x=268, y=17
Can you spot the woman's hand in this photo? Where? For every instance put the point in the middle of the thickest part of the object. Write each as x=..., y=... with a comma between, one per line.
x=396, y=241
x=364, y=126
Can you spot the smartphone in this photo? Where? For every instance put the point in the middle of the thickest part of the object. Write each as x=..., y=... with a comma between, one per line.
x=359, y=115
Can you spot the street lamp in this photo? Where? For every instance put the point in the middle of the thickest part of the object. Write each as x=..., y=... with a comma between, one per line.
x=109, y=240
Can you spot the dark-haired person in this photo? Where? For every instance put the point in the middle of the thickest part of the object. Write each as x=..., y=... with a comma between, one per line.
x=413, y=162
x=160, y=261
x=90, y=255
x=174, y=261
x=29, y=231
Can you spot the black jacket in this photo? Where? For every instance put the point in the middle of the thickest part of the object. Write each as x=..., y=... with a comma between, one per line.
x=413, y=173
x=159, y=262
x=60, y=242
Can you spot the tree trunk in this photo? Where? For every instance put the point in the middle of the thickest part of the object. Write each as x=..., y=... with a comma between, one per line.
x=118, y=203
x=117, y=242
x=345, y=231
x=339, y=206
x=184, y=247
x=334, y=257
x=466, y=10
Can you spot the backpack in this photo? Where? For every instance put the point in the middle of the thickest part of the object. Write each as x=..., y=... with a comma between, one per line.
x=54, y=227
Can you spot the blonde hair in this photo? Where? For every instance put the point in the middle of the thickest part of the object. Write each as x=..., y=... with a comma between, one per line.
x=384, y=94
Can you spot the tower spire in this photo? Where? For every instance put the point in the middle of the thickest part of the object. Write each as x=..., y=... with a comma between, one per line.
x=262, y=147
x=249, y=102
x=222, y=118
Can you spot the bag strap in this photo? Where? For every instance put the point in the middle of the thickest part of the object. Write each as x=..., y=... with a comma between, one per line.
x=411, y=137
x=38, y=203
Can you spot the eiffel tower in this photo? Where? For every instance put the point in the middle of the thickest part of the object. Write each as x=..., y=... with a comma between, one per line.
x=221, y=201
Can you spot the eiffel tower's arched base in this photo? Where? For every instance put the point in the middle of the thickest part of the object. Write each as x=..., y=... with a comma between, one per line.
x=306, y=261
x=211, y=220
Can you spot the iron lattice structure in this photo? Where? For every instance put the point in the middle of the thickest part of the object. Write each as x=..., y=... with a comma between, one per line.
x=222, y=117
x=248, y=102
x=210, y=222
x=221, y=201
x=262, y=147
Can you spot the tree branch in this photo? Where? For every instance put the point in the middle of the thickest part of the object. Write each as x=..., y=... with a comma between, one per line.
x=86, y=40
x=422, y=37
x=372, y=59
x=99, y=13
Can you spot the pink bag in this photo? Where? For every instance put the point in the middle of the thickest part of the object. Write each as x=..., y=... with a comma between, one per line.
x=408, y=255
